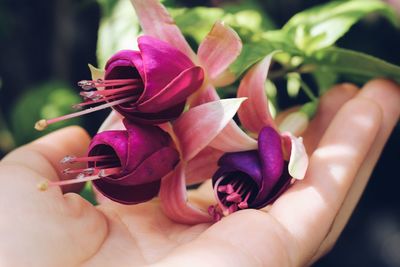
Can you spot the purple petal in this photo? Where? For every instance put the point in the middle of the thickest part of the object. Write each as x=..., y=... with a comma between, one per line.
x=280, y=187
x=271, y=158
x=246, y=162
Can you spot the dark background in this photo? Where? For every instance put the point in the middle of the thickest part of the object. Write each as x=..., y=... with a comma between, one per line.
x=46, y=44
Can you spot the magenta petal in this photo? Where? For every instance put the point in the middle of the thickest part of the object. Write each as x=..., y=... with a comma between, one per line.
x=162, y=63
x=156, y=21
x=143, y=141
x=219, y=49
x=151, y=169
x=154, y=118
x=128, y=194
x=114, y=140
x=254, y=114
x=196, y=128
x=128, y=62
x=174, y=200
x=271, y=158
x=175, y=92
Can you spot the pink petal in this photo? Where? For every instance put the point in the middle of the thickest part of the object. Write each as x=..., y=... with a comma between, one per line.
x=254, y=114
x=174, y=200
x=231, y=138
x=156, y=21
x=203, y=166
x=219, y=49
x=196, y=128
x=298, y=161
x=175, y=92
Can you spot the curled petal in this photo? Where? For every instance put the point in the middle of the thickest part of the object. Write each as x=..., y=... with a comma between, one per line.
x=174, y=200
x=151, y=169
x=247, y=162
x=143, y=141
x=298, y=161
x=156, y=21
x=175, y=92
x=203, y=166
x=196, y=128
x=161, y=64
x=233, y=139
x=125, y=63
x=219, y=49
x=254, y=114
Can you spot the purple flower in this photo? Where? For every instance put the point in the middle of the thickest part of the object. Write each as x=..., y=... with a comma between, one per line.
x=251, y=179
x=126, y=165
x=149, y=86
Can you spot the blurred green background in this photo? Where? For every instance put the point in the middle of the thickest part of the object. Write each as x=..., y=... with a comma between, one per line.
x=45, y=47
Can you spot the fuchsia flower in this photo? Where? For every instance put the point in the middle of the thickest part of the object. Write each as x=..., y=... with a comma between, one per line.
x=126, y=165
x=250, y=176
x=148, y=86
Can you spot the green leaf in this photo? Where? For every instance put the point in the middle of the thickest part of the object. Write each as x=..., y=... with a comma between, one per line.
x=353, y=63
x=270, y=42
x=323, y=25
x=196, y=22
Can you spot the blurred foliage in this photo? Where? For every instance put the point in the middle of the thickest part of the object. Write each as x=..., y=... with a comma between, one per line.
x=118, y=29
x=52, y=99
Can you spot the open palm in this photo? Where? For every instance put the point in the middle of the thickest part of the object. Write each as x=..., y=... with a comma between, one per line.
x=55, y=229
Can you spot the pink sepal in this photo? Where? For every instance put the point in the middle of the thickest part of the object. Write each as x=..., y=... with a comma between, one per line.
x=254, y=114
x=174, y=200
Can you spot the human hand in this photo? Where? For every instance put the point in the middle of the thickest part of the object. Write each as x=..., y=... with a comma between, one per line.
x=55, y=229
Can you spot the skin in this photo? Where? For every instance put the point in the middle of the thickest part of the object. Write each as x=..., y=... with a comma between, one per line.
x=55, y=228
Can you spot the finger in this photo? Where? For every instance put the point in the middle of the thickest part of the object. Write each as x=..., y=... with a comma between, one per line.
x=54, y=229
x=330, y=103
x=43, y=155
x=387, y=95
x=308, y=209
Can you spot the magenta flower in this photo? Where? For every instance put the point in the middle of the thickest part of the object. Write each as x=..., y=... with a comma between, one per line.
x=148, y=86
x=126, y=166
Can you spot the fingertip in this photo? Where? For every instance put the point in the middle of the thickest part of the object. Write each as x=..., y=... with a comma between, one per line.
x=70, y=133
x=343, y=90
